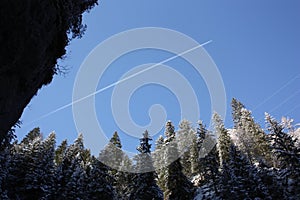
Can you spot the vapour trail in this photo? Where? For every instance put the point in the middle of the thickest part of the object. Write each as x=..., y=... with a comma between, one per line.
x=118, y=82
x=276, y=92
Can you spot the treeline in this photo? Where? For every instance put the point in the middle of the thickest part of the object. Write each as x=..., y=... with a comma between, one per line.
x=244, y=162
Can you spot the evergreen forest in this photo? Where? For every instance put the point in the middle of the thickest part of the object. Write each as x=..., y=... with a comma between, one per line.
x=245, y=161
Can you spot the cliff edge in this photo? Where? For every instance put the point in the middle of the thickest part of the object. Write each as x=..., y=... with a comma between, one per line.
x=33, y=36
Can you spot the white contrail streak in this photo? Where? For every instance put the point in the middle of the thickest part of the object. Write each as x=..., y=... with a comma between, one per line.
x=120, y=81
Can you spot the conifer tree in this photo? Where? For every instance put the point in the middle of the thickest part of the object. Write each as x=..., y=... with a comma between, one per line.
x=20, y=183
x=60, y=153
x=60, y=166
x=288, y=155
x=185, y=137
x=99, y=182
x=201, y=134
x=209, y=166
x=119, y=166
x=73, y=175
x=112, y=154
x=196, y=148
x=239, y=178
x=259, y=148
x=80, y=175
x=31, y=137
x=237, y=107
x=43, y=169
x=176, y=183
x=31, y=168
x=193, y=157
x=145, y=187
x=159, y=162
x=224, y=140
x=251, y=138
x=124, y=178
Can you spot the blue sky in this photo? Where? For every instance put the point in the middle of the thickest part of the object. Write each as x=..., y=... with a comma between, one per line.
x=255, y=45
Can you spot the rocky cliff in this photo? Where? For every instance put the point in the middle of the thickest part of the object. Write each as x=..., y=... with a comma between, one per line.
x=33, y=36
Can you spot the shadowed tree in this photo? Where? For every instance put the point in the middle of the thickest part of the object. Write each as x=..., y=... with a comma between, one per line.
x=176, y=183
x=145, y=187
x=288, y=155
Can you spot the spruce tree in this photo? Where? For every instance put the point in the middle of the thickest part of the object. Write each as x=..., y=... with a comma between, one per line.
x=237, y=107
x=119, y=166
x=176, y=183
x=185, y=137
x=159, y=162
x=201, y=134
x=145, y=187
x=72, y=178
x=44, y=169
x=31, y=170
x=98, y=182
x=20, y=183
x=124, y=178
x=209, y=173
x=196, y=148
x=251, y=138
x=31, y=137
x=60, y=152
x=224, y=140
x=112, y=154
x=288, y=155
x=239, y=179
x=79, y=175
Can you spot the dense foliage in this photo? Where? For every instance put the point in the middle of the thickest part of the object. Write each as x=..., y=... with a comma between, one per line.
x=246, y=162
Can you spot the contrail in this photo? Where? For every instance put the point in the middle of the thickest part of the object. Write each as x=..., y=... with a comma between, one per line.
x=118, y=82
x=282, y=102
x=276, y=92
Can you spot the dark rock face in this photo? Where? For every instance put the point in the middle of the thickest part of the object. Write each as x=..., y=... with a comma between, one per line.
x=33, y=35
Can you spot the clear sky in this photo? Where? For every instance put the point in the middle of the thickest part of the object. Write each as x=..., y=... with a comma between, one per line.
x=255, y=45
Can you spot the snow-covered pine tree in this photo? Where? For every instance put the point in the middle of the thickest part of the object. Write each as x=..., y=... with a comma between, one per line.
x=224, y=140
x=288, y=155
x=185, y=137
x=159, y=162
x=145, y=187
x=60, y=167
x=44, y=169
x=124, y=178
x=98, y=184
x=209, y=166
x=239, y=179
x=197, y=144
x=33, y=136
x=236, y=107
x=119, y=166
x=20, y=181
x=193, y=158
x=116, y=140
x=177, y=185
x=72, y=174
x=112, y=154
x=60, y=152
x=251, y=139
